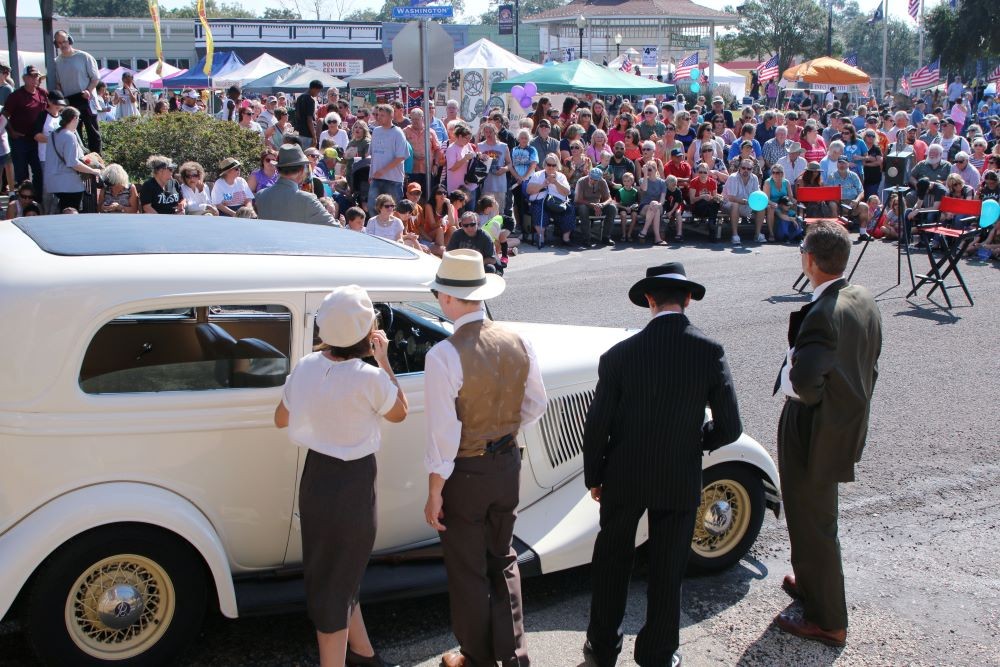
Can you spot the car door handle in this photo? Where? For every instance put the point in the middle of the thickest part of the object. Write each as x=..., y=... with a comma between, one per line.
x=146, y=349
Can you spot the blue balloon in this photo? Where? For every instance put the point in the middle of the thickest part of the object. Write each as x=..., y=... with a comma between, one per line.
x=990, y=213
x=695, y=74
x=757, y=200
x=695, y=87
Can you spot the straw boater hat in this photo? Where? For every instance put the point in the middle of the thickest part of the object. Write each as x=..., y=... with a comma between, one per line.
x=461, y=275
x=671, y=273
x=228, y=163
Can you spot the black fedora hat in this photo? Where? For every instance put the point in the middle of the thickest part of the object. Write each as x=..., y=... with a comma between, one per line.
x=671, y=273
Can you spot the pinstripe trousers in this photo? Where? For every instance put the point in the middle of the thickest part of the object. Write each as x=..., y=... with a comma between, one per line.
x=670, y=533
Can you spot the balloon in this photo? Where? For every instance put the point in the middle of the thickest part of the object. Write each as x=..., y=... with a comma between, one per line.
x=530, y=89
x=695, y=87
x=695, y=74
x=517, y=91
x=757, y=200
x=990, y=213
x=525, y=102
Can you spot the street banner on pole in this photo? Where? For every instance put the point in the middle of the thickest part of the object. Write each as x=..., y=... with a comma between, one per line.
x=505, y=19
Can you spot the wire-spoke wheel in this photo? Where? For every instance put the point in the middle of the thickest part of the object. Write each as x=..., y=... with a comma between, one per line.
x=729, y=517
x=117, y=595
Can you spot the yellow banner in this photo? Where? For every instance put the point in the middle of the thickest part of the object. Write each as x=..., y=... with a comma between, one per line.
x=209, y=42
x=154, y=12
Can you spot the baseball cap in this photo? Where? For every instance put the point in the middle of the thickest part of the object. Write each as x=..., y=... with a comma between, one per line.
x=192, y=95
x=596, y=174
x=414, y=187
x=718, y=100
x=744, y=144
x=842, y=158
x=948, y=121
x=55, y=97
x=676, y=151
x=31, y=70
x=331, y=153
x=272, y=98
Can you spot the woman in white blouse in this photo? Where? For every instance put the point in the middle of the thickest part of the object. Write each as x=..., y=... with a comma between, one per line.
x=196, y=192
x=333, y=405
x=333, y=132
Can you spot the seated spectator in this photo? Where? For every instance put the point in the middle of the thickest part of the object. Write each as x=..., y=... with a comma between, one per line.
x=978, y=157
x=472, y=237
x=548, y=192
x=736, y=194
x=247, y=122
x=649, y=157
x=776, y=187
x=775, y=148
x=266, y=174
x=116, y=194
x=828, y=165
x=633, y=145
x=814, y=148
x=959, y=190
x=786, y=225
x=406, y=211
x=746, y=135
x=934, y=168
x=354, y=219
x=384, y=224
x=990, y=187
x=231, y=191
x=597, y=147
x=793, y=164
x=723, y=130
x=673, y=206
x=25, y=196
x=592, y=197
x=928, y=200
x=619, y=165
x=652, y=195
x=678, y=167
x=703, y=195
x=160, y=193
x=852, y=194
x=716, y=167
x=745, y=153
x=440, y=220
x=196, y=193
x=962, y=167
x=887, y=227
x=627, y=196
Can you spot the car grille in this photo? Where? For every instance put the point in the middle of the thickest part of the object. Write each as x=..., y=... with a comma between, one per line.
x=562, y=426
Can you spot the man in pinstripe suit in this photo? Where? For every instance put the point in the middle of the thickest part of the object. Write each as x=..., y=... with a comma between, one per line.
x=642, y=450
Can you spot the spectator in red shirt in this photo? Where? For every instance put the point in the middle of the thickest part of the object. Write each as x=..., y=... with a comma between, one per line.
x=679, y=168
x=22, y=110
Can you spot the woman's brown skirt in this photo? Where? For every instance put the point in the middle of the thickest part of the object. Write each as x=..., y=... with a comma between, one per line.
x=337, y=510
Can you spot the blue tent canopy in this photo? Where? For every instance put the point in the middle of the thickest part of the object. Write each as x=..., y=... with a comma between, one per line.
x=224, y=62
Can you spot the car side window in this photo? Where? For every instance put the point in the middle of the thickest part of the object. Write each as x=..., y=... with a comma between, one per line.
x=189, y=349
x=412, y=328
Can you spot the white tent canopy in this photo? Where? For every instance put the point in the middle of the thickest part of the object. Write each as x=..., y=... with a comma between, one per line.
x=383, y=76
x=253, y=70
x=484, y=54
x=721, y=76
x=149, y=75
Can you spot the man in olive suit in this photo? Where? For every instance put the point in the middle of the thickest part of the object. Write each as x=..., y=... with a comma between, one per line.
x=828, y=378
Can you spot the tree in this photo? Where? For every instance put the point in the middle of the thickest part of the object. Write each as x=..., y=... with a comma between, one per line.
x=964, y=35
x=786, y=27
x=127, y=8
x=284, y=13
x=213, y=9
x=866, y=41
x=526, y=8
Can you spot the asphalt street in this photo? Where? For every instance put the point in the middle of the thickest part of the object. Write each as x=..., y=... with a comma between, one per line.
x=919, y=529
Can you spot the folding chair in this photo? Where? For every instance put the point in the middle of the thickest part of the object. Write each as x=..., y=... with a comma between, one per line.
x=969, y=210
x=807, y=195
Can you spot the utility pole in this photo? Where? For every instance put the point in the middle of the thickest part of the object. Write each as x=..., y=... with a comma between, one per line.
x=920, y=29
x=517, y=27
x=885, y=42
x=829, y=29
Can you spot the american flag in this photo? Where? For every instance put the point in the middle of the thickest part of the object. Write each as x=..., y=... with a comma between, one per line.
x=626, y=65
x=851, y=60
x=904, y=83
x=768, y=70
x=927, y=75
x=994, y=75
x=913, y=9
x=683, y=70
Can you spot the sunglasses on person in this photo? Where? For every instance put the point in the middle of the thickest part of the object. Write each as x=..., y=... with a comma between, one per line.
x=959, y=161
x=467, y=225
x=551, y=164
x=25, y=197
x=388, y=206
x=703, y=171
x=576, y=148
x=647, y=150
x=333, y=122
x=648, y=113
x=744, y=168
x=777, y=171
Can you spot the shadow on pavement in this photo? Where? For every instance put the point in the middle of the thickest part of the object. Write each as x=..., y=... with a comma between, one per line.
x=776, y=647
x=938, y=315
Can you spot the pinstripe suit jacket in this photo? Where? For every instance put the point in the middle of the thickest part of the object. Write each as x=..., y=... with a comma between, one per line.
x=645, y=429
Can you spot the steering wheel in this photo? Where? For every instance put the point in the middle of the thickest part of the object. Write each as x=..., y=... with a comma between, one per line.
x=385, y=318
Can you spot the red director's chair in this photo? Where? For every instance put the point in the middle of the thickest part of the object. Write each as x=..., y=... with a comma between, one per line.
x=812, y=195
x=954, y=243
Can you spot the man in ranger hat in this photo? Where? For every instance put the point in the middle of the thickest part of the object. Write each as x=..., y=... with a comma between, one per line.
x=642, y=449
x=284, y=200
x=482, y=385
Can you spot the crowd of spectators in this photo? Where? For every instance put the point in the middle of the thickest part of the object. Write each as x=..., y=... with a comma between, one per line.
x=582, y=168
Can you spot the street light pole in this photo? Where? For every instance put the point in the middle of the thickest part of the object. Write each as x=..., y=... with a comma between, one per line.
x=581, y=23
x=618, y=44
x=829, y=28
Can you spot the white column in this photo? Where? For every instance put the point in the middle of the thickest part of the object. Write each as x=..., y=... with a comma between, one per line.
x=659, y=47
x=711, y=59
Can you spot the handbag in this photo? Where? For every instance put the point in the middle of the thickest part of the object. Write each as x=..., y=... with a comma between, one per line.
x=555, y=206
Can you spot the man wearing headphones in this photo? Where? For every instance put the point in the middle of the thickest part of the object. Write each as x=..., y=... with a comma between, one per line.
x=76, y=77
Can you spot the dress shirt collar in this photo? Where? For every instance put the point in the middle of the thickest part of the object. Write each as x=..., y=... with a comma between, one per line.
x=822, y=287
x=470, y=317
x=666, y=312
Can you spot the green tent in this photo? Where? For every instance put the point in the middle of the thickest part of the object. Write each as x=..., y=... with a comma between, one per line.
x=585, y=77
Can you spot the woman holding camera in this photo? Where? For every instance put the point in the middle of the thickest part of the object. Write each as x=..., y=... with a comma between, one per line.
x=333, y=405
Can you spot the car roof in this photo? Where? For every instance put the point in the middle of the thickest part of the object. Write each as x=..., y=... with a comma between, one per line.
x=97, y=235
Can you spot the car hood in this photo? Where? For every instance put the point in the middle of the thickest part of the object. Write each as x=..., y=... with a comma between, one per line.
x=566, y=354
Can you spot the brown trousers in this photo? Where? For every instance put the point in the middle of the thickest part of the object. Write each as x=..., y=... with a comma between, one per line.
x=484, y=586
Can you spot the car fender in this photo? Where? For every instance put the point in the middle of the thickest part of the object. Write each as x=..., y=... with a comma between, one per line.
x=35, y=537
x=569, y=541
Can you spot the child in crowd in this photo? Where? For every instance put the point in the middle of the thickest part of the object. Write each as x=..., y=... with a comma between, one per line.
x=875, y=213
x=786, y=226
x=407, y=212
x=628, y=204
x=491, y=222
x=887, y=226
x=674, y=206
x=354, y=219
x=384, y=223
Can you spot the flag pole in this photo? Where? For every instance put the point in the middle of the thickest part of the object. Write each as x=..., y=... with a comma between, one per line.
x=885, y=43
x=920, y=53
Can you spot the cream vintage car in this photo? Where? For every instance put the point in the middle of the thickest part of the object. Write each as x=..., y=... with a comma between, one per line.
x=142, y=480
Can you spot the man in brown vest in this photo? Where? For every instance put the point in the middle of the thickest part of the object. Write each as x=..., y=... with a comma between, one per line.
x=482, y=385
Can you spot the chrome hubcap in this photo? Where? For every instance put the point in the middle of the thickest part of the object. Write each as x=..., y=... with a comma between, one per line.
x=717, y=518
x=724, y=516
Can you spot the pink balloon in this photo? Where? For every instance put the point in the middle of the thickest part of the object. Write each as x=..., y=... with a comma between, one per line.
x=517, y=91
x=530, y=89
x=525, y=102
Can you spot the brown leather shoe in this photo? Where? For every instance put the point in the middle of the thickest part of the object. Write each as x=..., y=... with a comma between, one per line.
x=788, y=585
x=455, y=659
x=809, y=630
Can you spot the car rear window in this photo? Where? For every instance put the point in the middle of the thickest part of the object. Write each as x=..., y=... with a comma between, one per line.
x=135, y=234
